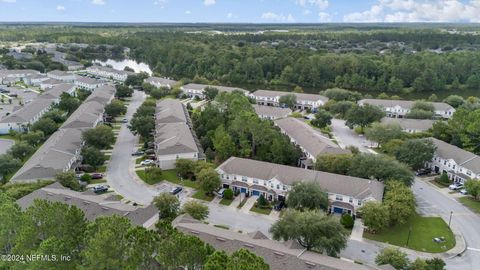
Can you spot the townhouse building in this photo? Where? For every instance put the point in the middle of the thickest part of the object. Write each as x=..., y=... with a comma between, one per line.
x=311, y=141
x=400, y=108
x=35, y=79
x=87, y=83
x=410, y=125
x=49, y=83
x=197, y=90
x=304, y=101
x=161, y=82
x=460, y=165
x=109, y=73
x=174, y=136
x=345, y=193
x=61, y=75
x=8, y=76
x=271, y=113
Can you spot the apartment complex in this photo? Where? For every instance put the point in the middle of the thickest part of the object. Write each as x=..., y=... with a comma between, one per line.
x=197, y=90
x=160, y=82
x=400, y=108
x=304, y=101
x=108, y=73
x=271, y=113
x=410, y=125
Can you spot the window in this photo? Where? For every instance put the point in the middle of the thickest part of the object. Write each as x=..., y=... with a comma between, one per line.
x=244, y=179
x=350, y=200
x=453, y=167
x=284, y=187
x=359, y=202
x=278, y=186
x=234, y=177
x=339, y=198
x=255, y=181
x=228, y=176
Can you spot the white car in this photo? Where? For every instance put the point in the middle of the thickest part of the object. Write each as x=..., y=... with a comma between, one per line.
x=147, y=162
x=455, y=186
x=463, y=192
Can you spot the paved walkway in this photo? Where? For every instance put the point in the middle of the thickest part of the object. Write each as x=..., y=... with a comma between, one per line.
x=357, y=231
x=5, y=145
x=249, y=204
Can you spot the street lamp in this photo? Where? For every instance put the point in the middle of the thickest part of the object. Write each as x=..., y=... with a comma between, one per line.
x=450, y=220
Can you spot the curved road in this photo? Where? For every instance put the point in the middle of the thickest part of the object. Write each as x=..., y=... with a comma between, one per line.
x=5, y=145
x=120, y=170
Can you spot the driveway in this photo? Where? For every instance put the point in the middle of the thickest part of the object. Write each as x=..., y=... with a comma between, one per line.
x=347, y=137
x=120, y=171
x=5, y=145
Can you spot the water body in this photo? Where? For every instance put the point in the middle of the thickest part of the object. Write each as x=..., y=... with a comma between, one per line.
x=120, y=65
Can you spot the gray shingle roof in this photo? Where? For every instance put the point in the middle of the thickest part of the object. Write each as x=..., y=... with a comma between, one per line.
x=275, y=112
x=57, y=90
x=88, y=80
x=313, y=141
x=334, y=183
x=28, y=111
x=59, y=73
x=300, y=96
x=439, y=106
x=174, y=138
x=220, y=88
x=92, y=205
x=276, y=254
x=170, y=111
x=412, y=124
x=158, y=80
x=462, y=157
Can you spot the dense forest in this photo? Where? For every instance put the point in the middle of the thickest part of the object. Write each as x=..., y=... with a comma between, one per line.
x=373, y=58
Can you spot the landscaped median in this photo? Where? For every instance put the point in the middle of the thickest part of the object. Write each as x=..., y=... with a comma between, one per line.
x=471, y=203
x=419, y=232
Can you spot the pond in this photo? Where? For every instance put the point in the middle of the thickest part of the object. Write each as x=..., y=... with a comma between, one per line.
x=120, y=65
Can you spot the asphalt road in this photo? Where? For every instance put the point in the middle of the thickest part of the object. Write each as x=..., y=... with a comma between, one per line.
x=5, y=145
x=120, y=171
x=430, y=201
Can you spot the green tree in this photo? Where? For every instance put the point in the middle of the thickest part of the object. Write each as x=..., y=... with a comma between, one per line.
x=101, y=137
x=185, y=167
x=381, y=168
x=93, y=157
x=322, y=119
x=21, y=150
x=288, y=100
x=473, y=188
x=228, y=194
x=208, y=180
x=123, y=91
x=142, y=125
x=347, y=221
x=168, y=205
x=115, y=108
x=243, y=259
x=334, y=163
x=210, y=93
x=363, y=116
x=341, y=108
x=196, y=210
x=307, y=196
x=136, y=80
x=153, y=174
x=298, y=89
x=56, y=115
x=11, y=218
x=33, y=138
x=395, y=85
x=45, y=125
x=339, y=94
x=382, y=133
x=223, y=143
x=375, y=216
x=393, y=256
x=68, y=103
x=400, y=201
x=312, y=230
x=416, y=152
x=67, y=179
x=8, y=165
x=454, y=101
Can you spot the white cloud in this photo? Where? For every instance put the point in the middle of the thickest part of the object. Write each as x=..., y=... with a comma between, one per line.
x=188, y=12
x=209, y=2
x=60, y=8
x=306, y=12
x=278, y=17
x=230, y=15
x=98, y=2
x=419, y=11
x=321, y=4
x=324, y=17
x=9, y=1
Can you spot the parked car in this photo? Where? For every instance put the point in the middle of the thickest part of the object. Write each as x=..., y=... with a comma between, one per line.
x=425, y=171
x=456, y=186
x=463, y=191
x=147, y=162
x=150, y=151
x=138, y=153
x=152, y=157
x=100, y=189
x=176, y=190
x=279, y=205
x=220, y=192
x=97, y=176
x=125, y=120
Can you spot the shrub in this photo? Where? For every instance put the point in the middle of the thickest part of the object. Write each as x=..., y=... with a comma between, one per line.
x=262, y=202
x=86, y=178
x=444, y=178
x=347, y=221
x=228, y=194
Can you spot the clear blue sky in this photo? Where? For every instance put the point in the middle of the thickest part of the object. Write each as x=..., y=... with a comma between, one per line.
x=251, y=11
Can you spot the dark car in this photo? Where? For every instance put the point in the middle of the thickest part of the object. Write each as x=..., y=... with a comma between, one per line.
x=97, y=176
x=138, y=153
x=100, y=189
x=423, y=172
x=176, y=190
x=279, y=205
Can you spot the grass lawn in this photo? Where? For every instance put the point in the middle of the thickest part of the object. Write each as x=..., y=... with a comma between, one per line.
x=226, y=202
x=141, y=174
x=202, y=196
x=102, y=169
x=171, y=176
x=440, y=184
x=98, y=181
x=8, y=137
x=138, y=160
x=240, y=205
x=424, y=229
x=263, y=211
x=469, y=202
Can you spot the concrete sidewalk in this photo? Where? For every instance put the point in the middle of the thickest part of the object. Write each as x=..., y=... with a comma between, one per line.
x=357, y=231
x=249, y=204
